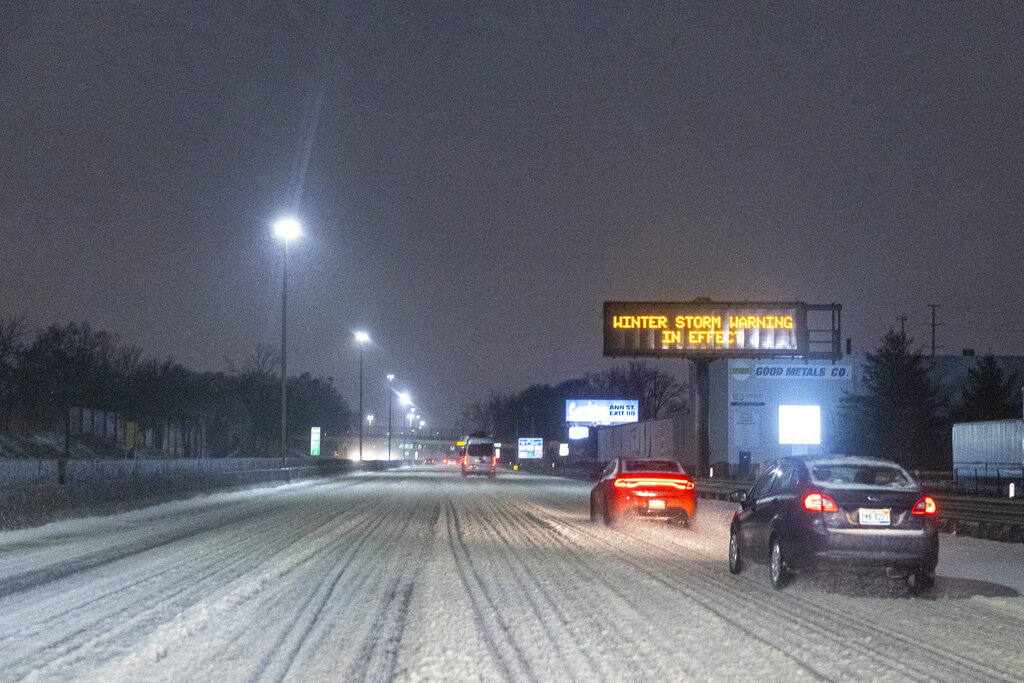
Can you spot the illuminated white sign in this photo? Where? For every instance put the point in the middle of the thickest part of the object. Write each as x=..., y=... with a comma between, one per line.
x=601, y=412
x=531, y=448
x=799, y=424
x=563, y=449
x=579, y=432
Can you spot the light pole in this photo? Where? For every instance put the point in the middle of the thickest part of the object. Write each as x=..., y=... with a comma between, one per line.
x=286, y=229
x=411, y=416
x=391, y=400
x=404, y=399
x=362, y=338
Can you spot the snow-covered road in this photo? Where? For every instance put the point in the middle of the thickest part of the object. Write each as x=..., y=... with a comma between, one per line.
x=421, y=575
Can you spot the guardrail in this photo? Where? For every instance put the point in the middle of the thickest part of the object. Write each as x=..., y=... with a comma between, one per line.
x=36, y=492
x=997, y=519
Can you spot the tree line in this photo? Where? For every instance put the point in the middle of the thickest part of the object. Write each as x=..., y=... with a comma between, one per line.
x=42, y=377
x=903, y=414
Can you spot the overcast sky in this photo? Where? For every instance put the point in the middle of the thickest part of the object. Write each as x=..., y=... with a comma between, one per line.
x=476, y=178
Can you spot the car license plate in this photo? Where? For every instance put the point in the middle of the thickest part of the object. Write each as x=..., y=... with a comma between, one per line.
x=656, y=504
x=870, y=517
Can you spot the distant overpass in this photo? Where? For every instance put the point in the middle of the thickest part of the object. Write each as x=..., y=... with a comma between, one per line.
x=410, y=445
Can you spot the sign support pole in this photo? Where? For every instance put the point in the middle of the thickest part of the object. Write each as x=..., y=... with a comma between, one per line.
x=701, y=415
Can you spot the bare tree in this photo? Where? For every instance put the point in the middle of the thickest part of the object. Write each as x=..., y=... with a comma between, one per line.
x=262, y=362
x=658, y=393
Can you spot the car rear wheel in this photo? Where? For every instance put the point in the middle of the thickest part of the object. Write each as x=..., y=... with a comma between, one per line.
x=735, y=561
x=606, y=515
x=778, y=572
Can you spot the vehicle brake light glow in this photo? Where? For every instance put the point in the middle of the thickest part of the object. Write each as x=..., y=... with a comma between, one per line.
x=465, y=460
x=925, y=506
x=819, y=502
x=634, y=482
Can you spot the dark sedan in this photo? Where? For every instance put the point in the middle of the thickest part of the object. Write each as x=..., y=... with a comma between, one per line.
x=836, y=511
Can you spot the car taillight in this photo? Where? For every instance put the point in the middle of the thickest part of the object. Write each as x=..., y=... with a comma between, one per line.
x=819, y=502
x=465, y=460
x=634, y=482
x=925, y=506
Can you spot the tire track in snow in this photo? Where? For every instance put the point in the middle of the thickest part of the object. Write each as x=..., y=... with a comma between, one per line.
x=378, y=653
x=518, y=568
x=692, y=595
x=825, y=618
x=48, y=637
x=273, y=665
x=795, y=611
x=597, y=599
x=201, y=592
x=486, y=613
x=577, y=607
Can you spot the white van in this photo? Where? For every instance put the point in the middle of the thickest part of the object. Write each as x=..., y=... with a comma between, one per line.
x=478, y=456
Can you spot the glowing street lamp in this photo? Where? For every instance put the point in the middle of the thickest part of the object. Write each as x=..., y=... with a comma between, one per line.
x=286, y=229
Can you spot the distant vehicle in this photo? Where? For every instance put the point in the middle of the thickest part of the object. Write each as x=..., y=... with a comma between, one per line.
x=643, y=488
x=478, y=457
x=836, y=511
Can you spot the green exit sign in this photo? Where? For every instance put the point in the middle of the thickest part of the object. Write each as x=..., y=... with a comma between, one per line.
x=314, y=441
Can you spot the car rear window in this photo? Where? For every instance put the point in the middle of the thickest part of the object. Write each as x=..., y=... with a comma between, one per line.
x=653, y=466
x=478, y=449
x=878, y=476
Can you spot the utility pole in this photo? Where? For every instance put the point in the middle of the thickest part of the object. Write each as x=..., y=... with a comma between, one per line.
x=934, y=325
x=903, y=322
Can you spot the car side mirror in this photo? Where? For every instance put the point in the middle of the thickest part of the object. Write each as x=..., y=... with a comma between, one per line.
x=738, y=496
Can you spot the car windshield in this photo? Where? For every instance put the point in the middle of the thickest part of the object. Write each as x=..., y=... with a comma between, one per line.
x=874, y=475
x=653, y=466
x=480, y=449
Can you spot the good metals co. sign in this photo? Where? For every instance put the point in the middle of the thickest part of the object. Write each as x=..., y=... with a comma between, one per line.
x=705, y=328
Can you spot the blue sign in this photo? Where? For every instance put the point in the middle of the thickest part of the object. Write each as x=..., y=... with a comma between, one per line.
x=531, y=448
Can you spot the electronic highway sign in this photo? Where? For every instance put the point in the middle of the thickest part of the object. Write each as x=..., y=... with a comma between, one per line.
x=705, y=328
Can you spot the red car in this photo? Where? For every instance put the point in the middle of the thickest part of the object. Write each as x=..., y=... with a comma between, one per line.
x=643, y=488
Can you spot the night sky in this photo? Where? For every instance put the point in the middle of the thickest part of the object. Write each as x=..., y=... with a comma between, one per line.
x=476, y=178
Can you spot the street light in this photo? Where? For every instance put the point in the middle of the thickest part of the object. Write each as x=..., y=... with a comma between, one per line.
x=391, y=400
x=369, y=421
x=286, y=229
x=362, y=338
x=411, y=416
x=404, y=399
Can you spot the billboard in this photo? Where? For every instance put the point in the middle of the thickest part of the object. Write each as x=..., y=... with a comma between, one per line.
x=531, y=448
x=601, y=411
x=705, y=328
